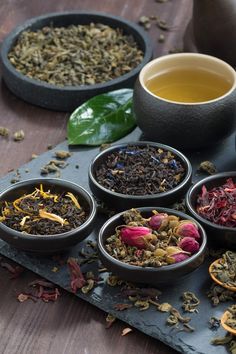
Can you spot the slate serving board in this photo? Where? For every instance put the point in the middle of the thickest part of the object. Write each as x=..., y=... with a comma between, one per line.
x=105, y=297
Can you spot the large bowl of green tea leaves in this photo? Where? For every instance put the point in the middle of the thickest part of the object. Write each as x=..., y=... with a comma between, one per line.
x=152, y=245
x=60, y=60
x=46, y=215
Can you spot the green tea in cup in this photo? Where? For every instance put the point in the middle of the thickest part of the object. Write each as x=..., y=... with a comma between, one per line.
x=188, y=84
x=186, y=100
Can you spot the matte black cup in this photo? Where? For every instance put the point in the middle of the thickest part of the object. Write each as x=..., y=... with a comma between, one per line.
x=185, y=125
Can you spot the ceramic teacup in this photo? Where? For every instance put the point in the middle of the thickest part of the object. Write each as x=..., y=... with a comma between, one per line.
x=189, y=125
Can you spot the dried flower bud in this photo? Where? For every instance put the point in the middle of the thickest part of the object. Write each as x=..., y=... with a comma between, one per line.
x=187, y=229
x=179, y=257
x=159, y=252
x=158, y=221
x=134, y=235
x=189, y=244
x=173, y=250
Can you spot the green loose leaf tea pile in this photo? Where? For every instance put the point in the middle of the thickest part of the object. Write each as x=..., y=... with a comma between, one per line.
x=140, y=170
x=43, y=213
x=102, y=119
x=225, y=269
x=157, y=241
x=75, y=55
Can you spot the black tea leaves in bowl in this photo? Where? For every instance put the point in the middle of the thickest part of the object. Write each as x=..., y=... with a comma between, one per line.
x=43, y=213
x=46, y=215
x=139, y=174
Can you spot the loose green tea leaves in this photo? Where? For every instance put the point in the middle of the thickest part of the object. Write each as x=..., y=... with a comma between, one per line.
x=19, y=135
x=75, y=55
x=225, y=269
x=219, y=294
x=228, y=340
x=140, y=170
x=4, y=132
x=231, y=317
x=53, y=166
x=43, y=213
x=110, y=319
x=102, y=119
x=156, y=241
x=214, y=323
x=208, y=167
x=61, y=154
x=175, y=317
x=190, y=302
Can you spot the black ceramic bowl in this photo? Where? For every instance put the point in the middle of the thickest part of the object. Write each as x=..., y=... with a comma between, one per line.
x=48, y=244
x=218, y=236
x=149, y=275
x=68, y=98
x=118, y=201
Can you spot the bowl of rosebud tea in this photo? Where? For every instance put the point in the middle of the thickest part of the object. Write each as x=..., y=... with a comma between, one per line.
x=139, y=174
x=152, y=245
x=212, y=201
x=46, y=215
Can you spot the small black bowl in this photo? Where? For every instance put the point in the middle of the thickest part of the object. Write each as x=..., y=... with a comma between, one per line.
x=69, y=97
x=218, y=236
x=48, y=244
x=118, y=201
x=149, y=275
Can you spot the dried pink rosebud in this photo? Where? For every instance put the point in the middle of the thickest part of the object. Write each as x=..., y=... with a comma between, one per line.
x=158, y=220
x=179, y=257
x=189, y=244
x=187, y=229
x=134, y=235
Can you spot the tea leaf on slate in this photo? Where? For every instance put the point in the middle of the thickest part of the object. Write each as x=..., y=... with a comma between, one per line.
x=102, y=119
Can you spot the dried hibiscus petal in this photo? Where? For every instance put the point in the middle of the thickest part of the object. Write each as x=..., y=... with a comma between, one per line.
x=218, y=204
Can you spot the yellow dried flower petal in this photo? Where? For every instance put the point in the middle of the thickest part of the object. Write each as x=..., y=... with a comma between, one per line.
x=45, y=215
x=74, y=199
x=22, y=223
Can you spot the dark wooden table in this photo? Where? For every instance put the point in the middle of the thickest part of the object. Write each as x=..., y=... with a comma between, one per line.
x=69, y=325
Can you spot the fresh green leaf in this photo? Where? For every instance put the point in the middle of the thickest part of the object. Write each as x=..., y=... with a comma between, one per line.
x=102, y=119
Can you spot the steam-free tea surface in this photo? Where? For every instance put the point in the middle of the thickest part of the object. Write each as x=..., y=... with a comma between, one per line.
x=105, y=297
x=189, y=85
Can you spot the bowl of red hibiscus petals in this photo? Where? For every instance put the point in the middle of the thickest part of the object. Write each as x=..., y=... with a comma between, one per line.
x=212, y=201
x=151, y=245
x=142, y=173
x=45, y=215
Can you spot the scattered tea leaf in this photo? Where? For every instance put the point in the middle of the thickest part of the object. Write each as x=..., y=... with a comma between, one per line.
x=208, y=167
x=122, y=307
x=102, y=119
x=19, y=135
x=125, y=331
x=161, y=38
x=190, y=302
x=4, y=132
x=110, y=319
x=61, y=154
x=214, y=323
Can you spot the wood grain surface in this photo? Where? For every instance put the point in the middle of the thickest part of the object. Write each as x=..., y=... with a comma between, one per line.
x=69, y=325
